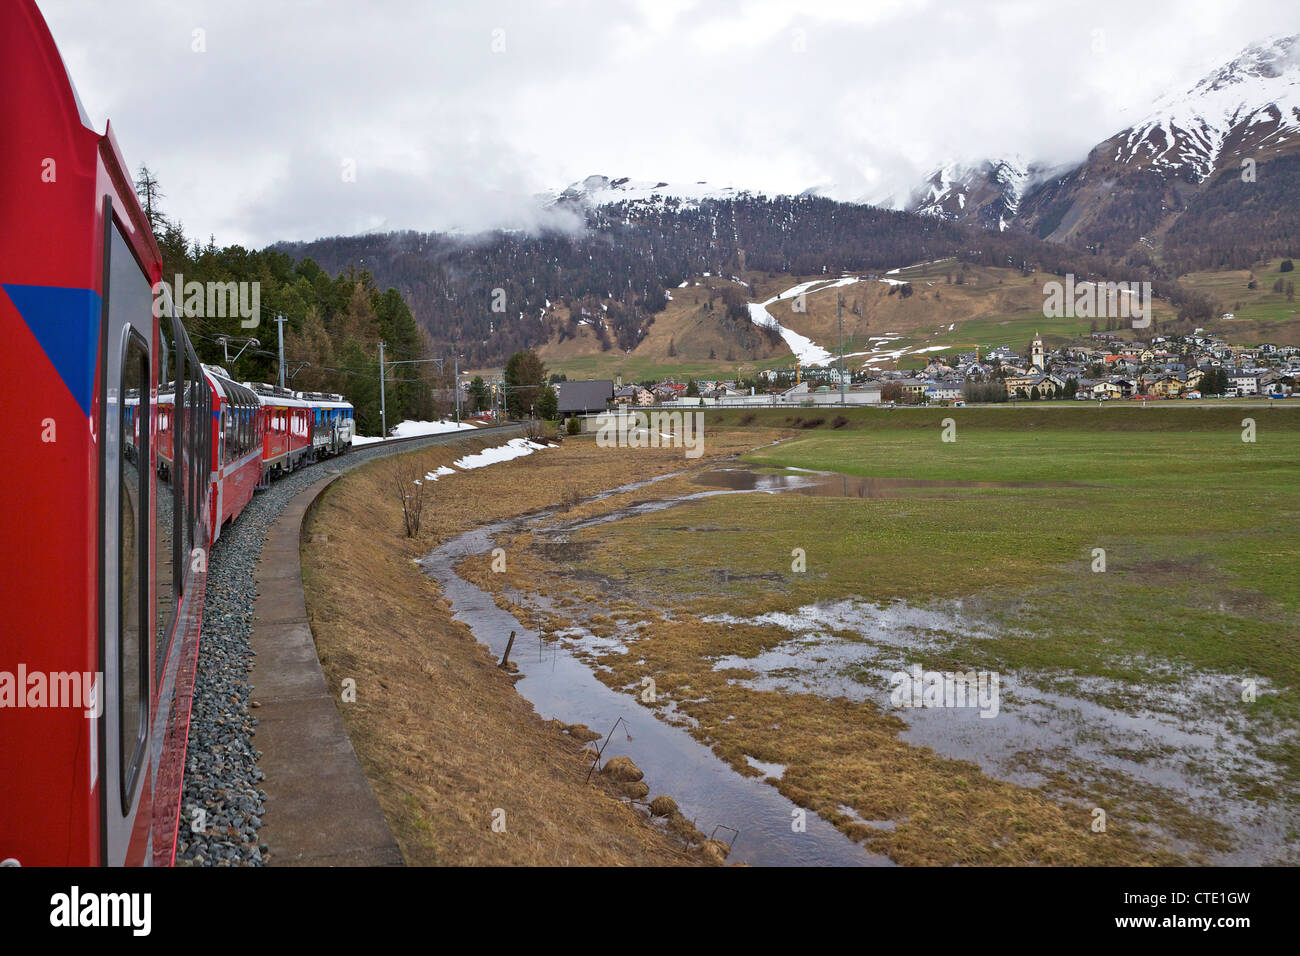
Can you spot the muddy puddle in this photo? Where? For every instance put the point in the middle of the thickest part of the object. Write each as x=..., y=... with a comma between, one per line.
x=561, y=685
x=827, y=484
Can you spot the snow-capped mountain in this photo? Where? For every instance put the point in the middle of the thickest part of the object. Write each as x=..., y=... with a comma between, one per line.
x=604, y=191
x=989, y=192
x=1140, y=181
x=1250, y=105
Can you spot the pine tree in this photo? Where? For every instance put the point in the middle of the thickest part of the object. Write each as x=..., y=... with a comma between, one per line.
x=146, y=187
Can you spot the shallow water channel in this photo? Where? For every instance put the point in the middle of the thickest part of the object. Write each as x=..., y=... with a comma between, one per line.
x=707, y=790
x=835, y=485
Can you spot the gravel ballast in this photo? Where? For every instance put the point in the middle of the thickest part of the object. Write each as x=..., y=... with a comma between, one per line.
x=222, y=778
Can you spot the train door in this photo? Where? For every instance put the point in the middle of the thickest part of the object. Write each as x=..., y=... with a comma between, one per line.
x=126, y=532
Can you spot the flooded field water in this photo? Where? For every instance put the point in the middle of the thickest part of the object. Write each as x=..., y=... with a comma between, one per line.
x=834, y=485
x=1183, y=734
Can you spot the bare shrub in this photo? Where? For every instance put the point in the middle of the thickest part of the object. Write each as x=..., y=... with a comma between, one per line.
x=406, y=482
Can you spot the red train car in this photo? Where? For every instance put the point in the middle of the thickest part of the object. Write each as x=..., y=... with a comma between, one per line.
x=286, y=430
x=103, y=532
x=237, y=442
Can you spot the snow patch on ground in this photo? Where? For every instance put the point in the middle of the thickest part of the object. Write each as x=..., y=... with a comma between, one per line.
x=804, y=348
x=410, y=429
x=514, y=448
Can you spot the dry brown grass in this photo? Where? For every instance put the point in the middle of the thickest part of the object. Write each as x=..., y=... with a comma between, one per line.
x=440, y=730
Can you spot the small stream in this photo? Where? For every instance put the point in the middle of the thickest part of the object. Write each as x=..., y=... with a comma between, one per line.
x=707, y=790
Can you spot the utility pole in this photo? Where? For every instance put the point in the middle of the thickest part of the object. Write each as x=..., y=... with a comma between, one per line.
x=840, y=315
x=224, y=341
x=456, y=385
x=383, y=398
x=279, y=321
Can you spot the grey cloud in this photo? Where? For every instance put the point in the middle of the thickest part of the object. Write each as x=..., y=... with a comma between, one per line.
x=248, y=137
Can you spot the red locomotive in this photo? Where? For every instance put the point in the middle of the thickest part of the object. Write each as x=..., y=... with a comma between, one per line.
x=134, y=456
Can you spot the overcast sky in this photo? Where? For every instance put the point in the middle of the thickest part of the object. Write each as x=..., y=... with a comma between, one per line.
x=456, y=113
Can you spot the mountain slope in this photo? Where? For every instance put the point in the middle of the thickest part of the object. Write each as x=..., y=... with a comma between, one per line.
x=1250, y=106
x=988, y=193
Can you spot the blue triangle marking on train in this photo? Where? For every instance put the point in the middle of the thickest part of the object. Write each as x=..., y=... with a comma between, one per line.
x=66, y=324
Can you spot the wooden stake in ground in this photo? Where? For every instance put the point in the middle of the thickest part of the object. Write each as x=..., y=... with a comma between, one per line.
x=506, y=656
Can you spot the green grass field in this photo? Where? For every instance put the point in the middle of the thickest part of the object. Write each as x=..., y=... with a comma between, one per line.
x=1193, y=520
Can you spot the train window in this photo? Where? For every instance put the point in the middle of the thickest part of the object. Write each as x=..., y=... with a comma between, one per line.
x=133, y=563
x=201, y=440
x=166, y=493
x=202, y=447
x=193, y=426
x=230, y=425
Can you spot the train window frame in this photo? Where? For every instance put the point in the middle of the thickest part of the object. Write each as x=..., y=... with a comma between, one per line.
x=198, y=385
x=131, y=753
x=170, y=360
x=229, y=425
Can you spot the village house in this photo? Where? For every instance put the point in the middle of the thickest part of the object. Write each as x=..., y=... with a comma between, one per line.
x=634, y=395
x=1023, y=385
x=1243, y=382
x=584, y=397
x=1167, y=386
x=936, y=391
